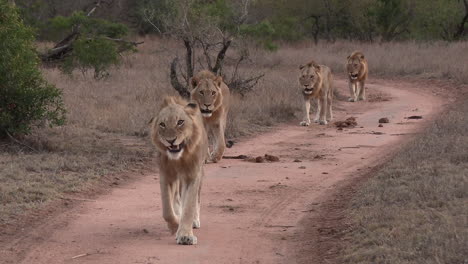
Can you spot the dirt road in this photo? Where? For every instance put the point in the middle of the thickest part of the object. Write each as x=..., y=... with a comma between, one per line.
x=251, y=212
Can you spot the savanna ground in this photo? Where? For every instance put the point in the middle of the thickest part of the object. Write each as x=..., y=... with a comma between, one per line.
x=423, y=188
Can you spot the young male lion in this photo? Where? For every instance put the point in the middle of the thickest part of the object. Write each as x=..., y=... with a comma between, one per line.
x=180, y=138
x=357, y=70
x=317, y=84
x=212, y=96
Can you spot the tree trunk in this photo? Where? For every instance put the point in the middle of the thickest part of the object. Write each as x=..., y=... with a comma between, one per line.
x=461, y=27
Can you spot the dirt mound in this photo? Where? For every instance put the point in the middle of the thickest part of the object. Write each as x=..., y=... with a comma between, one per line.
x=350, y=122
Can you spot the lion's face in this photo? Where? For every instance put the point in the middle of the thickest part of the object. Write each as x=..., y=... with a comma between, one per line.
x=354, y=67
x=309, y=78
x=206, y=93
x=173, y=128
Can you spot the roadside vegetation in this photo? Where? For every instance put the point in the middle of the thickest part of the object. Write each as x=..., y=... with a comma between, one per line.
x=414, y=210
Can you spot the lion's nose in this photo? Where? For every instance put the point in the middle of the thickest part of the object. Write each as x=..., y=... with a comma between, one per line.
x=171, y=141
x=306, y=85
x=207, y=105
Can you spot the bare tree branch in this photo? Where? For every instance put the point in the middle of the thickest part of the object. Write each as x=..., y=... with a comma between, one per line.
x=182, y=90
x=220, y=58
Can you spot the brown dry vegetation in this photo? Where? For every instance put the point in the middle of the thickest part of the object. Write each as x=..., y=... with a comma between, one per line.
x=414, y=210
x=107, y=119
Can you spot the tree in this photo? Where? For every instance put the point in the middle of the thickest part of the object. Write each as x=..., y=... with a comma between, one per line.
x=26, y=99
x=90, y=43
x=207, y=30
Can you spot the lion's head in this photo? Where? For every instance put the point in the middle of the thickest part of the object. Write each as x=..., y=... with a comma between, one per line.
x=207, y=92
x=355, y=65
x=177, y=128
x=310, y=77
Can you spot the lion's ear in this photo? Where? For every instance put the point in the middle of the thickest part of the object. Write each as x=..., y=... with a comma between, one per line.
x=191, y=108
x=168, y=100
x=194, y=82
x=317, y=67
x=151, y=120
x=218, y=80
x=362, y=56
x=301, y=67
x=349, y=56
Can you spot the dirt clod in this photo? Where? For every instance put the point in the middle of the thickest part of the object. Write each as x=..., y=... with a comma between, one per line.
x=297, y=160
x=384, y=120
x=302, y=167
x=350, y=122
x=229, y=143
x=380, y=125
x=259, y=159
x=271, y=158
x=414, y=117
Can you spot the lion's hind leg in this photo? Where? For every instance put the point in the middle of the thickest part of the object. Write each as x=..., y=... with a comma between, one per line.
x=362, y=91
x=196, y=220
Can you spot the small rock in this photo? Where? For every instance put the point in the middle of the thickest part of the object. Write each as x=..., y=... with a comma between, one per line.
x=259, y=159
x=302, y=167
x=380, y=125
x=324, y=172
x=383, y=120
x=297, y=160
x=145, y=231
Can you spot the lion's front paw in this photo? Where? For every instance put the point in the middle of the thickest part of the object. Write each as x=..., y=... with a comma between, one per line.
x=305, y=123
x=362, y=98
x=323, y=122
x=352, y=99
x=196, y=223
x=186, y=240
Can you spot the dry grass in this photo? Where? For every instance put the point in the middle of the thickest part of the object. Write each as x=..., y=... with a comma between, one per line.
x=415, y=209
x=107, y=119
x=437, y=60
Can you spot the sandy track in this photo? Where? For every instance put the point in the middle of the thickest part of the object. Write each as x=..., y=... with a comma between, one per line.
x=251, y=212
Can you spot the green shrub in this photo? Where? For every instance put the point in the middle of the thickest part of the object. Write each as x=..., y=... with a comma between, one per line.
x=26, y=99
x=97, y=45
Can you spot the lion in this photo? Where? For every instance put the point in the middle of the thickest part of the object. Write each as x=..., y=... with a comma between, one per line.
x=357, y=70
x=316, y=81
x=180, y=138
x=212, y=95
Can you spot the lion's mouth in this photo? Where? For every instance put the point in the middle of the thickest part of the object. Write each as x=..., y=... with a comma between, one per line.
x=176, y=148
x=206, y=112
x=354, y=76
x=308, y=90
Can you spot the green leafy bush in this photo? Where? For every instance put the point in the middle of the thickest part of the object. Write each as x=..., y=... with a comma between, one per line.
x=26, y=99
x=97, y=45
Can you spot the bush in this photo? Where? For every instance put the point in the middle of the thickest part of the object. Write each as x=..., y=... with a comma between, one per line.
x=26, y=99
x=95, y=43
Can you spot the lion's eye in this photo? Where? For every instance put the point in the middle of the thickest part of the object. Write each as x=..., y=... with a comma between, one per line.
x=201, y=92
x=213, y=93
x=311, y=77
x=162, y=125
x=180, y=122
